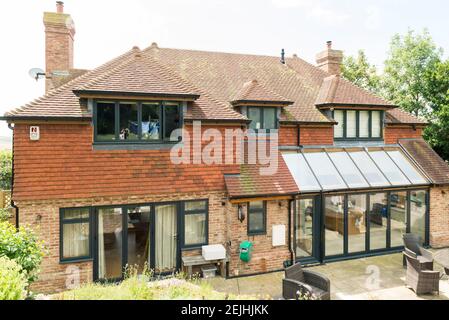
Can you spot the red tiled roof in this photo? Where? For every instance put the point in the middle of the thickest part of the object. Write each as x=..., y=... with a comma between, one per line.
x=336, y=90
x=426, y=158
x=251, y=183
x=399, y=116
x=218, y=78
x=253, y=91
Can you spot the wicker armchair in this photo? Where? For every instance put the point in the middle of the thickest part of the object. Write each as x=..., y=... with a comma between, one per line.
x=413, y=243
x=305, y=282
x=418, y=278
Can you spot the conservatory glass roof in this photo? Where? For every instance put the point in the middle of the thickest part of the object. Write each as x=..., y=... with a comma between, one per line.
x=353, y=168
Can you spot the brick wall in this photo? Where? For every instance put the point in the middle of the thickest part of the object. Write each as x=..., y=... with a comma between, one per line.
x=392, y=133
x=43, y=217
x=439, y=217
x=318, y=135
x=288, y=136
x=265, y=257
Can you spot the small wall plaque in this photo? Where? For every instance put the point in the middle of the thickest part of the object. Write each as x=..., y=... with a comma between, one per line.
x=34, y=133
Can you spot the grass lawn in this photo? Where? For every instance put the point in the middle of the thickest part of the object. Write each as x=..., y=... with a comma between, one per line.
x=137, y=288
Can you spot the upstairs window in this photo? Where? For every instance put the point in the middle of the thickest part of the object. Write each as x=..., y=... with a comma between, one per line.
x=358, y=124
x=136, y=122
x=262, y=118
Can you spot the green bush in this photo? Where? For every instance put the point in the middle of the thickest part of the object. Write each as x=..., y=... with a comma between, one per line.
x=23, y=247
x=12, y=280
x=5, y=215
x=5, y=170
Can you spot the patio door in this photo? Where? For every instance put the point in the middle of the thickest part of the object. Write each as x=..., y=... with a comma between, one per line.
x=307, y=230
x=141, y=237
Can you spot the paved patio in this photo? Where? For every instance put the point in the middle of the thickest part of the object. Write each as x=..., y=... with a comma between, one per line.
x=374, y=278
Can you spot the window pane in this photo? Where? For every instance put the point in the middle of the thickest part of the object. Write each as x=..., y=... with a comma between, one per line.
x=75, y=240
x=255, y=117
x=256, y=222
x=139, y=237
x=356, y=222
x=375, y=124
x=348, y=170
x=105, y=121
x=195, y=229
x=398, y=217
x=304, y=178
x=256, y=205
x=172, y=120
x=304, y=228
x=418, y=209
x=389, y=168
x=151, y=122
x=369, y=169
x=110, y=243
x=129, y=125
x=71, y=214
x=269, y=118
x=412, y=173
x=364, y=124
x=351, y=124
x=338, y=129
x=195, y=205
x=325, y=171
x=334, y=225
x=378, y=221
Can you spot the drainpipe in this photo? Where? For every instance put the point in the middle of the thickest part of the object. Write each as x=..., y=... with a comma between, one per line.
x=12, y=178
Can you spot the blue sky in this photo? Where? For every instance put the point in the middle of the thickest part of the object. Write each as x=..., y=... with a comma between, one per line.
x=107, y=28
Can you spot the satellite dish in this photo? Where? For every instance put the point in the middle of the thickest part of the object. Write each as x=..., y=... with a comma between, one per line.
x=36, y=73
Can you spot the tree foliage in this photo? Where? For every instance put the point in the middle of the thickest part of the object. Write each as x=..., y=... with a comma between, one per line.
x=410, y=58
x=359, y=71
x=5, y=170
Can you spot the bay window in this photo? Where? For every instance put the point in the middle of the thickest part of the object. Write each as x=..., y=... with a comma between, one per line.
x=358, y=124
x=136, y=122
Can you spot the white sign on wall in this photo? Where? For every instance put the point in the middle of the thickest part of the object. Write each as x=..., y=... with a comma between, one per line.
x=34, y=133
x=278, y=235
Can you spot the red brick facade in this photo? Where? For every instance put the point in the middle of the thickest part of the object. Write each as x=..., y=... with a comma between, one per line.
x=316, y=135
x=288, y=136
x=439, y=217
x=393, y=133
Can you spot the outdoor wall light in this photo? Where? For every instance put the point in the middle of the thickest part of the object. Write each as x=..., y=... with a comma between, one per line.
x=240, y=213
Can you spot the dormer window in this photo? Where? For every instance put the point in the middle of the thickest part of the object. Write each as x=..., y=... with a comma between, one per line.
x=358, y=124
x=136, y=121
x=262, y=118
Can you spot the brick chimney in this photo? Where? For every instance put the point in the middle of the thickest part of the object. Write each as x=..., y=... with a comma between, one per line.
x=59, y=37
x=330, y=60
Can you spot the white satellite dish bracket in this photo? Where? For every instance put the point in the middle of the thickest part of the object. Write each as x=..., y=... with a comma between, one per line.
x=37, y=73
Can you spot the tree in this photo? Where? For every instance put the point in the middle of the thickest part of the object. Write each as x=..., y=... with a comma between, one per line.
x=5, y=170
x=360, y=72
x=410, y=58
x=437, y=94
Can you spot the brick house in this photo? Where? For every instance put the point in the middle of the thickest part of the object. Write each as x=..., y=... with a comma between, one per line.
x=95, y=177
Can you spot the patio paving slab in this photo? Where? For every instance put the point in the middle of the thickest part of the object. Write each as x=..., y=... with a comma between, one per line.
x=373, y=278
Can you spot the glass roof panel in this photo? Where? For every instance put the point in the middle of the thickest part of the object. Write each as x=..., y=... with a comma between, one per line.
x=410, y=171
x=304, y=178
x=348, y=170
x=369, y=169
x=389, y=168
x=325, y=171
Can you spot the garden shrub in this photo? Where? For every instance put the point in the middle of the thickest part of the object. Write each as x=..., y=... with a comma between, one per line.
x=5, y=169
x=13, y=281
x=23, y=247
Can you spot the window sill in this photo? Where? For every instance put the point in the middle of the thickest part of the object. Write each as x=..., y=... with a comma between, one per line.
x=261, y=233
x=134, y=146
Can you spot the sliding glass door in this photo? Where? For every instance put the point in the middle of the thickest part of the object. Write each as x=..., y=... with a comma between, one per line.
x=140, y=237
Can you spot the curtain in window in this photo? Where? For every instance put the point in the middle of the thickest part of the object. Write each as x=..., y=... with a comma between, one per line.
x=364, y=124
x=195, y=229
x=165, y=251
x=375, y=123
x=76, y=240
x=338, y=129
x=351, y=124
x=101, y=251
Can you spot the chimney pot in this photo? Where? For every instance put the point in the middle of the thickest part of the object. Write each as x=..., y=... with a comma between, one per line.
x=59, y=6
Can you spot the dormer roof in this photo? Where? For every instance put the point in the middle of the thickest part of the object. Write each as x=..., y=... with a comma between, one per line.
x=254, y=93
